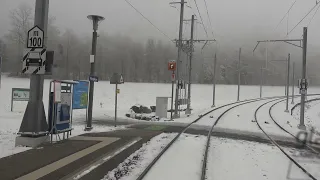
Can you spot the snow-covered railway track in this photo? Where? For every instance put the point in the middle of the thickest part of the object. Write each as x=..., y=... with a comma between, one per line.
x=204, y=164
x=277, y=145
x=286, y=131
x=308, y=101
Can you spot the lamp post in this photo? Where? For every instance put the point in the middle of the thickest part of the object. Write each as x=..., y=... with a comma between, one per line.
x=95, y=21
x=0, y=69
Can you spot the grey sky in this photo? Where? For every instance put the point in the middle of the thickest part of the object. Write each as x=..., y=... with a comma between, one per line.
x=234, y=21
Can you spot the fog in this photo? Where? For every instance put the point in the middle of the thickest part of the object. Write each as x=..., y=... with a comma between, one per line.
x=234, y=22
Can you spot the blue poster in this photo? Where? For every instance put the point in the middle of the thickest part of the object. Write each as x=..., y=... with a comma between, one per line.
x=80, y=95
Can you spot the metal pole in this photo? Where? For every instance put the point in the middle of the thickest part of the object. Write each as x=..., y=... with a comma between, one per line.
x=52, y=110
x=179, y=57
x=239, y=75
x=188, y=111
x=214, y=81
x=185, y=90
x=266, y=63
x=285, y=84
x=285, y=87
x=179, y=97
x=172, y=89
x=261, y=79
x=293, y=81
x=92, y=72
x=116, y=106
x=0, y=69
x=304, y=72
x=288, y=83
x=67, y=59
x=34, y=119
x=266, y=55
x=52, y=120
x=11, y=100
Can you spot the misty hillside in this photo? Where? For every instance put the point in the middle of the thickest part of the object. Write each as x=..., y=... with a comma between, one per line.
x=146, y=60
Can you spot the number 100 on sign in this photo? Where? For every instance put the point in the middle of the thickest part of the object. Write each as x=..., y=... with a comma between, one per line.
x=35, y=37
x=35, y=42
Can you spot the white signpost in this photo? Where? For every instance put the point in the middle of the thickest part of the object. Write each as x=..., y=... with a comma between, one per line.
x=116, y=79
x=34, y=56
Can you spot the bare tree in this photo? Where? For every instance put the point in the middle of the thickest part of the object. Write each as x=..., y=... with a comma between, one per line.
x=3, y=54
x=21, y=21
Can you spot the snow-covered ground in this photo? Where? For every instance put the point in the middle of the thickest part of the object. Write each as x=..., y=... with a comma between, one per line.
x=236, y=159
x=133, y=166
x=266, y=122
x=312, y=114
x=242, y=117
x=191, y=146
x=239, y=118
x=135, y=93
x=181, y=161
x=227, y=160
x=10, y=121
x=230, y=159
x=290, y=123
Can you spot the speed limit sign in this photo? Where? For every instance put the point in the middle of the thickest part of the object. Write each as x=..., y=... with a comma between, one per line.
x=35, y=38
x=34, y=56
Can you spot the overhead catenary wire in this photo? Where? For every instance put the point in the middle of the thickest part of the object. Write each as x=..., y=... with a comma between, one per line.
x=193, y=11
x=317, y=3
x=304, y=17
x=171, y=2
x=148, y=20
x=286, y=14
x=205, y=2
x=313, y=16
x=288, y=23
x=201, y=18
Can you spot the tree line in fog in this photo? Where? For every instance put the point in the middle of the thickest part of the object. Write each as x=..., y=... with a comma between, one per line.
x=137, y=61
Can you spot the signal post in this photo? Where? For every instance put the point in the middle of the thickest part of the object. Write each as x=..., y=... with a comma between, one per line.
x=172, y=67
